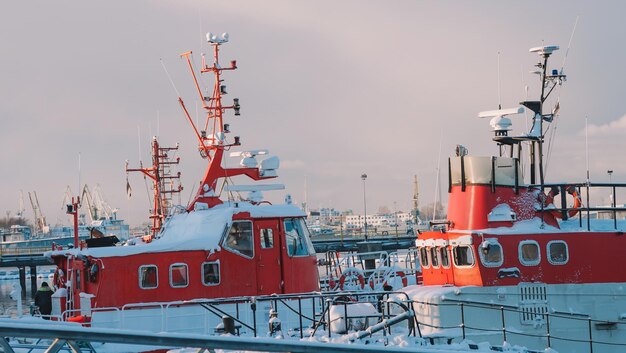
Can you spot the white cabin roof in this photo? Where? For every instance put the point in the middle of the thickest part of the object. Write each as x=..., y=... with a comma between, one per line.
x=196, y=230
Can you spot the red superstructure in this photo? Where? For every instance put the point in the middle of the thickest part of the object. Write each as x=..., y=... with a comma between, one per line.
x=524, y=254
x=211, y=248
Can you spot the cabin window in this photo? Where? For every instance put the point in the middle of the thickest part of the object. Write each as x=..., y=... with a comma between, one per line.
x=557, y=252
x=463, y=256
x=424, y=257
x=211, y=273
x=297, y=238
x=445, y=258
x=529, y=253
x=179, y=276
x=148, y=277
x=434, y=259
x=239, y=239
x=491, y=254
x=266, y=238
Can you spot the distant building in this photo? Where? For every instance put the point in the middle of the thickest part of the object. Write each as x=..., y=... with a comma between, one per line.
x=358, y=221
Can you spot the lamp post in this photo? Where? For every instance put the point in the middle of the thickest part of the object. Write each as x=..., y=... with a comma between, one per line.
x=610, y=173
x=395, y=213
x=363, y=177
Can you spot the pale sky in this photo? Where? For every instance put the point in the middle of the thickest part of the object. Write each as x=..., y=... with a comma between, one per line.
x=334, y=88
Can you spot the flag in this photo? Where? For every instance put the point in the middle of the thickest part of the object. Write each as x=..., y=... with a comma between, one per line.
x=129, y=191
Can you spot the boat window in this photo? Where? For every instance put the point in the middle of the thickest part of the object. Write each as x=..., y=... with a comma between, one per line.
x=557, y=252
x=266, y=238
x=529, y=253
x=434, y=258
x=178, y=275
x=424, y=257
x=463, y=256
x=239, y=239
x=148, y=277
x=211, y=273
x=298, y=240
x=491, y=254
x=445, y=258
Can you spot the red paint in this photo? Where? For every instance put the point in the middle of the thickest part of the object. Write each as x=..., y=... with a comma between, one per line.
x=114, y=281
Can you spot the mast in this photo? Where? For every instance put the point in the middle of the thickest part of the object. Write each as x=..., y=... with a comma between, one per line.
x=211, y=135
x=501, y=125
x=165, y=184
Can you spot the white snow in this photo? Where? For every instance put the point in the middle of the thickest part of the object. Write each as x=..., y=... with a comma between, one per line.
x=196, y=230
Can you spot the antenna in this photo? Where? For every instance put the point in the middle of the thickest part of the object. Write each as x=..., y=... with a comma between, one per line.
x=437, y=188
x=569, y=44
x=587, y=146
x=499, y=90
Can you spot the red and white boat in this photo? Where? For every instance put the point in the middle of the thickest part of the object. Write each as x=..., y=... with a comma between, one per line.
x=510, y=266
x=213, y=248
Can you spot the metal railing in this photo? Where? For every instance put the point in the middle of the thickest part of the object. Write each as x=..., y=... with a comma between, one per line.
x=584, y=192
x=70, y=335
x=543, y=320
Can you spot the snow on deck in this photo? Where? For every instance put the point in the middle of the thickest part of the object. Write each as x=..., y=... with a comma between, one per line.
x=196, y=230
x=535, y=225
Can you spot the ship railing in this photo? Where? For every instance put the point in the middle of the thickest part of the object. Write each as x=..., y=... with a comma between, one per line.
x=586, y=213
x=300, y=314
x=554, y=329
x=336, y=267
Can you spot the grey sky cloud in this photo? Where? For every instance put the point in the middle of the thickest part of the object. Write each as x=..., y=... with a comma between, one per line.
x=333, y=88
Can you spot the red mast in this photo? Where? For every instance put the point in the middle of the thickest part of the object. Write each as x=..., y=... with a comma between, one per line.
x=212, y=140
x=164, y=183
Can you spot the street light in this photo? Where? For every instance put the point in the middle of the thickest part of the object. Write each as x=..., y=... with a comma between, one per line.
x=363, y=177
x=610, y=173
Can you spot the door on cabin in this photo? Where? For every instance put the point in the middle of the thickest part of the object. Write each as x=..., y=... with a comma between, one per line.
x=268, y=247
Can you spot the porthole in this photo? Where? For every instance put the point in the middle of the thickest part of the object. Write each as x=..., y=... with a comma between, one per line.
x=529, y=253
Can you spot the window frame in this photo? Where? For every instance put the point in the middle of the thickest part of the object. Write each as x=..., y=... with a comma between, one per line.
x=444, y=250
x=140, y=276
x=427, y=265
x=454, y=258
x=186, y=275
x=549, y=254
x=219, y=273
x=227, y=235
x=305, y=238
x=483, y=258
x=434, y=257
x=520, y=253
x=262, y=238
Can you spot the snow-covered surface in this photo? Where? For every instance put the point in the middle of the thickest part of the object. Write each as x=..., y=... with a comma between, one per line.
x=400, y=342
x=535, y=225
x=196, y=230
x=360, y=316
x=501, y=213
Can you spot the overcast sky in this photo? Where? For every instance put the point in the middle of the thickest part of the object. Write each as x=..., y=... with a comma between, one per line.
x=334, y=88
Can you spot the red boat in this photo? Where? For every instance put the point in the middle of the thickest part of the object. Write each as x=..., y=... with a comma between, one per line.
x=523, y=263
x=215, y=247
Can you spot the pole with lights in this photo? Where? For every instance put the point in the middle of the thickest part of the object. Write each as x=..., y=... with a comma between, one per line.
x=363, y=177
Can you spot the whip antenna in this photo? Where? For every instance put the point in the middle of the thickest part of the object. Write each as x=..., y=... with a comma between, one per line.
x=570, y=43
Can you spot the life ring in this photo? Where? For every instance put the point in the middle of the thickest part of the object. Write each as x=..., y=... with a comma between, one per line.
x=387, y=277
x=554, y=191
x=400, y=274
x=350, y=275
